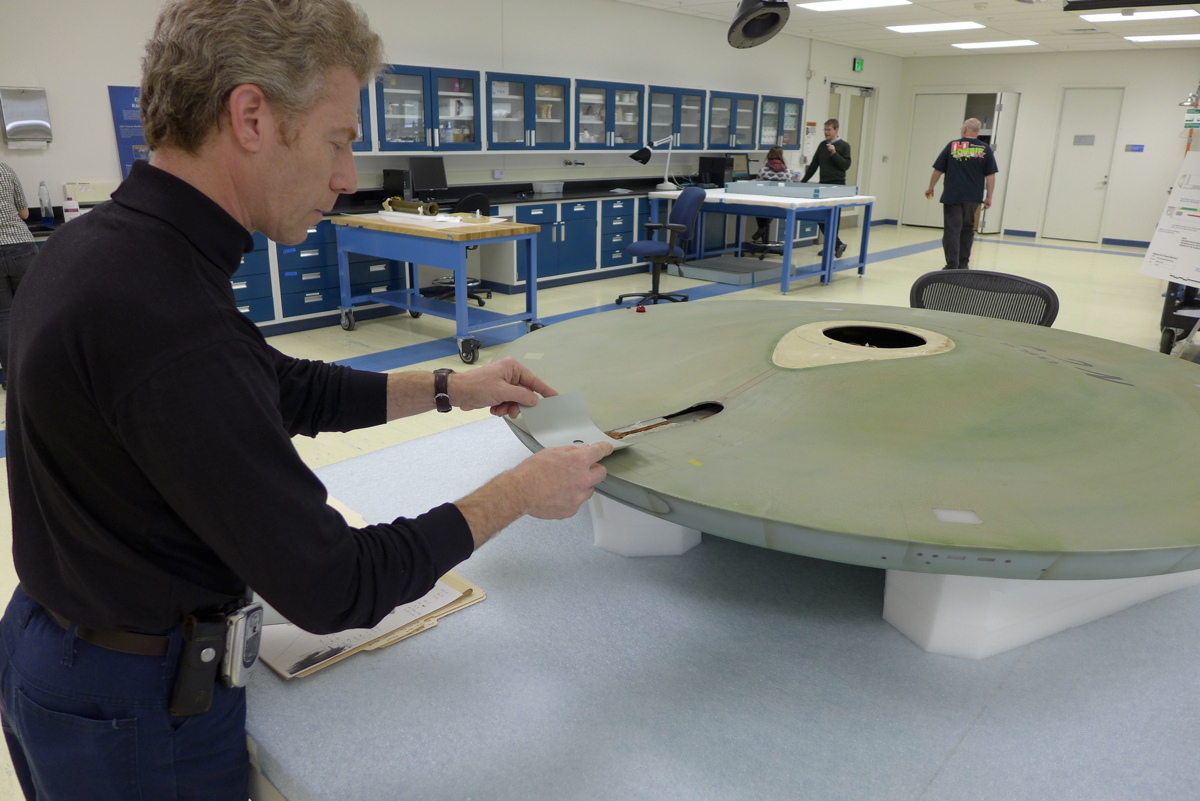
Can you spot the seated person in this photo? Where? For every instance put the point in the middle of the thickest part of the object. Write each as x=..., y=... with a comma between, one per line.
x=773, y=170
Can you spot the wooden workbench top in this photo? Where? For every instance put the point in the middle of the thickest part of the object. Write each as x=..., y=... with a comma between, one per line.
x=456, y=232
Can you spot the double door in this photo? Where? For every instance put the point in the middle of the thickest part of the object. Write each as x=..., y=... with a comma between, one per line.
x=780, y=122
x=731, y=121
x=938, y=119
x=422, y=108
x=608, y=116
x=678, y=113
x=528, y=112
x=567, y=241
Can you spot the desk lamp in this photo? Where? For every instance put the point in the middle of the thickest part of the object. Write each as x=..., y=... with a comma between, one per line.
x=642, y=156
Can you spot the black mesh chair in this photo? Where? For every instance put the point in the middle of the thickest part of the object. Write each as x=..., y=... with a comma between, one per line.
x=986, y=294
x=445, y=285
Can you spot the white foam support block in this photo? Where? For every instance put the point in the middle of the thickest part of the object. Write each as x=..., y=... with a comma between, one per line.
x=977, y=617
x=626, y=531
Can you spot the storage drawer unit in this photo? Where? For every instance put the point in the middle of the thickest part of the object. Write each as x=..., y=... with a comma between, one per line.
x=616, y=231
x=252, y=282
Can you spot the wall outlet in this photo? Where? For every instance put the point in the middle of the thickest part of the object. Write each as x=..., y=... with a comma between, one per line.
x=497, y=174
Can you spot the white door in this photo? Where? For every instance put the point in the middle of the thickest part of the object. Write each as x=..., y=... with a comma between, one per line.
x=1087, y=136
x=851, y=107
x=1002, y=128
x=937, y=119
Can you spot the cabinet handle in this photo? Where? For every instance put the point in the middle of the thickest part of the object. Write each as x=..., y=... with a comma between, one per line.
x=620, y=204
x=377, y=267
x=304, y=254
x=533, y=138
x=239, y=284
x=535, y=212
x=312, y=297
x=377, y=289
x=437, y=137
x=310, y=276
x=428, y=137
x=563, y=236
x=244, y=309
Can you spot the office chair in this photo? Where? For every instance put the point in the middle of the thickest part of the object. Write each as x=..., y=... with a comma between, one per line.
x=987, y=294
x=682, y=227
x=471, y=203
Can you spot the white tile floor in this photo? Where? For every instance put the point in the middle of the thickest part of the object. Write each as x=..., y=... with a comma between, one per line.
x=1100, y=290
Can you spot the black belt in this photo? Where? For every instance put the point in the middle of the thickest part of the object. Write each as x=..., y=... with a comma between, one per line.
x=125, y=642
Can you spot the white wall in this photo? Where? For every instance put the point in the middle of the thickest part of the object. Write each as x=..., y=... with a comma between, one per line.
x=1154, y=82
x=75, y=50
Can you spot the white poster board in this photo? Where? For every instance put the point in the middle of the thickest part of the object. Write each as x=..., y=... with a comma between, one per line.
x=1174, y=252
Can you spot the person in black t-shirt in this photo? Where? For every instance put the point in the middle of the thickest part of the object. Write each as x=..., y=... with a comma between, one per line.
x=969, y=166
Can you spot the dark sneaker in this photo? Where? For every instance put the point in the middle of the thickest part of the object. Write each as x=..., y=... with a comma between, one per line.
x=839, y=250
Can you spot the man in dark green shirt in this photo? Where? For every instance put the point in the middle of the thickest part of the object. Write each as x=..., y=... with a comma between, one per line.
x=832, y=158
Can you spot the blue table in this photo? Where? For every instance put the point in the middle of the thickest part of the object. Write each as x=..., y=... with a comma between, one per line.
x=437, y=245
x=825, y=210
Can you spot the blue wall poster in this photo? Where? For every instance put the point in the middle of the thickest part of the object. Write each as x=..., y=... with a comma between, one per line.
x=127, y=120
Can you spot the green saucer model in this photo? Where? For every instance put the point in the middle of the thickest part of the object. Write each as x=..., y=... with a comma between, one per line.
x=890, y=437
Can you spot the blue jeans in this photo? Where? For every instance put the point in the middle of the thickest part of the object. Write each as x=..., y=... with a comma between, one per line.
x=14, y=263
x=82, y=721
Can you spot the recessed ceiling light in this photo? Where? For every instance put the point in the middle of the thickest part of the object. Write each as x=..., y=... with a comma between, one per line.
x=1141, y=15
x=935, y=26
x=1170, y=37
x=850, y=5
x=1010, y=43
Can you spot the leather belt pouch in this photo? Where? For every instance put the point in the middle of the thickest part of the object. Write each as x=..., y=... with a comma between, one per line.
x=199, y=663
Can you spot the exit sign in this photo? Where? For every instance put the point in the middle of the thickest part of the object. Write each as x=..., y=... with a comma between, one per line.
x=858, y=65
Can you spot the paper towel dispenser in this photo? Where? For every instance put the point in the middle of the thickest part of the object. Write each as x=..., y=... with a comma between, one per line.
x=25, y=114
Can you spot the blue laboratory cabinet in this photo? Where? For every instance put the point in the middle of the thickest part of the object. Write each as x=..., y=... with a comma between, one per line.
x=780, y=122
x=427, y=108
x=528, y=112
x=731, y=121
x=608, y=116
x=567, y=241
x=677, y=112
x=363, y=142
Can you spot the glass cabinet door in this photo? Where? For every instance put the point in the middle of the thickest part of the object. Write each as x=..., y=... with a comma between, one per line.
x=552, y=109
x=720, y=122
x=456, y=120
x=662, y=114
x=627, y=118
x=691, y=120
x=592, y=110
x=362, y=141
x=768, y=129
x=508, y=112
x=790, y=126
x=744, y=132
x=401, y=110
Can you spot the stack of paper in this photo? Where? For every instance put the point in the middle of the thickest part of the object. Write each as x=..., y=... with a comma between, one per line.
x=291, y=651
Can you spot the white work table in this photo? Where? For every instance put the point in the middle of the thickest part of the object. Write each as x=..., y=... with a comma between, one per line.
x=789, y=209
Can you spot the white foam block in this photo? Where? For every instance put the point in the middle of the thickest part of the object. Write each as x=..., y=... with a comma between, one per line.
x=626, y=531
x=978, y=617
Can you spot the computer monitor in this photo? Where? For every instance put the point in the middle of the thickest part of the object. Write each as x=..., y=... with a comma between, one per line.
x=741, y=164
x=715, y=170
x=428, y=175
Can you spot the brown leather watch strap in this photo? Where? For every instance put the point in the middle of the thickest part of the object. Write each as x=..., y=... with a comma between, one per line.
x=441, y=388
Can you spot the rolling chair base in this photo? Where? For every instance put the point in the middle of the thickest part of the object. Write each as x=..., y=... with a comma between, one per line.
x=446, y=292
x=653, y=297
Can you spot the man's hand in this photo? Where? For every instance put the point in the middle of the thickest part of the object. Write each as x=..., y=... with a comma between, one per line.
x=929, y=192
x=831, y=148
x=550, y=485
x=502, y=386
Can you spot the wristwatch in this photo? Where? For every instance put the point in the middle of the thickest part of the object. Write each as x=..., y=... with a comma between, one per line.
x=441, y=388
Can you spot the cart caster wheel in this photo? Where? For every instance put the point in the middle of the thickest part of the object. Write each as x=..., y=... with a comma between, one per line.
x=468, y=350
x=414, y=314
x=534, y=326
x=1167, y=343
x=347, y=320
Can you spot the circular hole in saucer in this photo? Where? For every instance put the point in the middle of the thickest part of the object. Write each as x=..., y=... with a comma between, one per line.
x=872, y=336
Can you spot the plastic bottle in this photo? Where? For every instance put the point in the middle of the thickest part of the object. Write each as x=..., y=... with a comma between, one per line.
x=70, y=209
x=44, y=198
